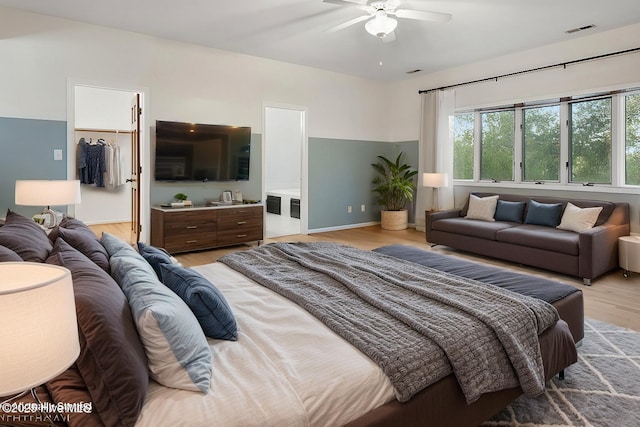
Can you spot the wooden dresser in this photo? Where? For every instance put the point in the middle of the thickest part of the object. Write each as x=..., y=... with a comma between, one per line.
x=190, y=229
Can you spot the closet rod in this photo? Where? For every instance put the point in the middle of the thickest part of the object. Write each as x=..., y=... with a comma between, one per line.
x=103, y=130
x=532, y=70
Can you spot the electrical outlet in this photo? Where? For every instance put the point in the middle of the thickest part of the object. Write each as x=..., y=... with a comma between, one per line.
x=57, y=154
x=349, y=209
x=362, y=208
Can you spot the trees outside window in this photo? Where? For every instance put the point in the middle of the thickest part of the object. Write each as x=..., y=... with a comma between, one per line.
x=564, y=141
x=463, y=146
x=497, y=140
x=590, y=141
x=541, y=143
x=632, y=139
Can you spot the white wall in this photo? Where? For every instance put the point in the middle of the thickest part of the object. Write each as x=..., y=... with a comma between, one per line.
x=186, y=82
x=588, y=77
x=106, y=109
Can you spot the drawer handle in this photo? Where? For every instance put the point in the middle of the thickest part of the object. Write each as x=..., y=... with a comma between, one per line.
x=191, y=227
x=192, y=241
x=241, y=235
x=241, y=222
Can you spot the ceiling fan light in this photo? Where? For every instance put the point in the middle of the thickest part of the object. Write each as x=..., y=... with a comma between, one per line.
x=381, y=25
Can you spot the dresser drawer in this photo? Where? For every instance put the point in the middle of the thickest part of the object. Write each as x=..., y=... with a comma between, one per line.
x=238, y=217
x=190, y=242
x=237, y=236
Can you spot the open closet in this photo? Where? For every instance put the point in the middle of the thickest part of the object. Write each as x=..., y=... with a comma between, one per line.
x=103, y=154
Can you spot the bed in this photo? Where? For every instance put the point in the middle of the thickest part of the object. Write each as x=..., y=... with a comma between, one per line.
x=282, y=367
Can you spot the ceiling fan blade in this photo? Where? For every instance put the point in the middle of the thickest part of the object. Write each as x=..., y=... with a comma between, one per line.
x=422, y=15
x=389, y=37
x=348, y=23
x=347, y=2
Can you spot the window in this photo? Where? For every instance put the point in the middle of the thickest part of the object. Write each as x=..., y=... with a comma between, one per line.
x=497, y=140
x=541, y=144
x=590, y=141
x=463, y=146
x=632, y=139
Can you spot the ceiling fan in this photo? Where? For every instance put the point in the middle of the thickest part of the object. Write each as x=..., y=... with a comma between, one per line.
x=378, y=17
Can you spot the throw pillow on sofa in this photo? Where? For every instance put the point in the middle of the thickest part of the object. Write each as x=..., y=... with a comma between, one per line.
x=509, y=211
x=578, y=219
x=482, y=208
x=543, y=213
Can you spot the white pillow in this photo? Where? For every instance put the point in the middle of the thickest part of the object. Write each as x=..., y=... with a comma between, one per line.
x=482, y=208
x=578, y=219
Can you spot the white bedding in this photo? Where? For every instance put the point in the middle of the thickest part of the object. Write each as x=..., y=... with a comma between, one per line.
x=286, y=369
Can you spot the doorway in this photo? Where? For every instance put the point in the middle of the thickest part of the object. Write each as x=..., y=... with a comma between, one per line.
x=102, y=115
x=285, y=170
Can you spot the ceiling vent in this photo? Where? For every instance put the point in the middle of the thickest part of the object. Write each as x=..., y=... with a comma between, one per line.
x=575, y=30
x=417, y=70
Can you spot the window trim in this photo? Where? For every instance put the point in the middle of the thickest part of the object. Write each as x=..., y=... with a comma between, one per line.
x=618, y=144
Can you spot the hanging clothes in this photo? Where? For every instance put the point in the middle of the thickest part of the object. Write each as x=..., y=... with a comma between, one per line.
x=113, y=175
x=91, y=162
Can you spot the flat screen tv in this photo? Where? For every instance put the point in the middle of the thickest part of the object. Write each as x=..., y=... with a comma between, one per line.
x=201, y=152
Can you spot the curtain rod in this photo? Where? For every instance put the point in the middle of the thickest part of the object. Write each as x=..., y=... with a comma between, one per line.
x=532, y=70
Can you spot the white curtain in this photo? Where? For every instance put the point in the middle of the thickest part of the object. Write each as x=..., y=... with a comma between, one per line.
x=435, y=150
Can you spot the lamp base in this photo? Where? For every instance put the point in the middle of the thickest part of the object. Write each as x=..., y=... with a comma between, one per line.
x=51, y=217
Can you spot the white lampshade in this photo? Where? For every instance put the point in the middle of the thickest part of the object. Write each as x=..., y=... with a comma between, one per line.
x=37, y=324
x=380, y=25
x=435, y=180
x=47, y=192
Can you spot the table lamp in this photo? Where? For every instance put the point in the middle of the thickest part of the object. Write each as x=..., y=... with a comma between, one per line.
x=435, y=181
x=48, y=193
x=38, y=326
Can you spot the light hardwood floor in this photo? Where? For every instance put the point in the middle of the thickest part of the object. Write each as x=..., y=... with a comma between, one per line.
x=611, y=298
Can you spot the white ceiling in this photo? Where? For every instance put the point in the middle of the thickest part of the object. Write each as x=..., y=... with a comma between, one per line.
x=295, y=30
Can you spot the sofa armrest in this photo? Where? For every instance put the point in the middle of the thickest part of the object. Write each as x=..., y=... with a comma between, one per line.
x=599, y=249
x=431, y=216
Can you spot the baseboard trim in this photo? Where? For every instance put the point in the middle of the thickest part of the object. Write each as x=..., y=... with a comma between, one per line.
x=348, y=227
x=107, y=221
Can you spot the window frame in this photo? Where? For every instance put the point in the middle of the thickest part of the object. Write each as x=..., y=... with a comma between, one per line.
x=618, y=144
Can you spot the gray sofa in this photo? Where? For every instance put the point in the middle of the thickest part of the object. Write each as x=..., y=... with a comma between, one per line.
x=587, y=254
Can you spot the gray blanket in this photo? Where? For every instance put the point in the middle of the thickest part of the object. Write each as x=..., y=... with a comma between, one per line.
x=415, y=322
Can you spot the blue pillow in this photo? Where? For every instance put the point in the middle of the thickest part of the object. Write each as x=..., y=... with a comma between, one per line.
x=509, y=211
x=548, y=214
x=155, y=257
x=116, y=246
x=177, y=351
x=204, y=299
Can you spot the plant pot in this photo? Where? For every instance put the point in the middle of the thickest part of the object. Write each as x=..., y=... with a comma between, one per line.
x=394, y=220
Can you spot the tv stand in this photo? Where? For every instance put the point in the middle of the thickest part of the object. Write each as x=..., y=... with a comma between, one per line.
x=206, y=227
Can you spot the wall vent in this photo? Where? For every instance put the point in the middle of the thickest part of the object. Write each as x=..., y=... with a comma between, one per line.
x=575, y=30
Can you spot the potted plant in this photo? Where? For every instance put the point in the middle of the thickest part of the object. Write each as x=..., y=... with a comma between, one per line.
x=182, y=200
x=395, y=187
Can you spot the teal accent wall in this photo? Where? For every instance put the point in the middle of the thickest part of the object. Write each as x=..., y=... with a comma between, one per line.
x=340, y=175
x=26, y=152
x=202, y=192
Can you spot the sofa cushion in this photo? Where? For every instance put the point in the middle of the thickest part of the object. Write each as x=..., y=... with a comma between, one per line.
x=509, y=211
x=535, y=236
x=547, y=214
x=471, y=227
x=482, y=208
x=578, y=219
